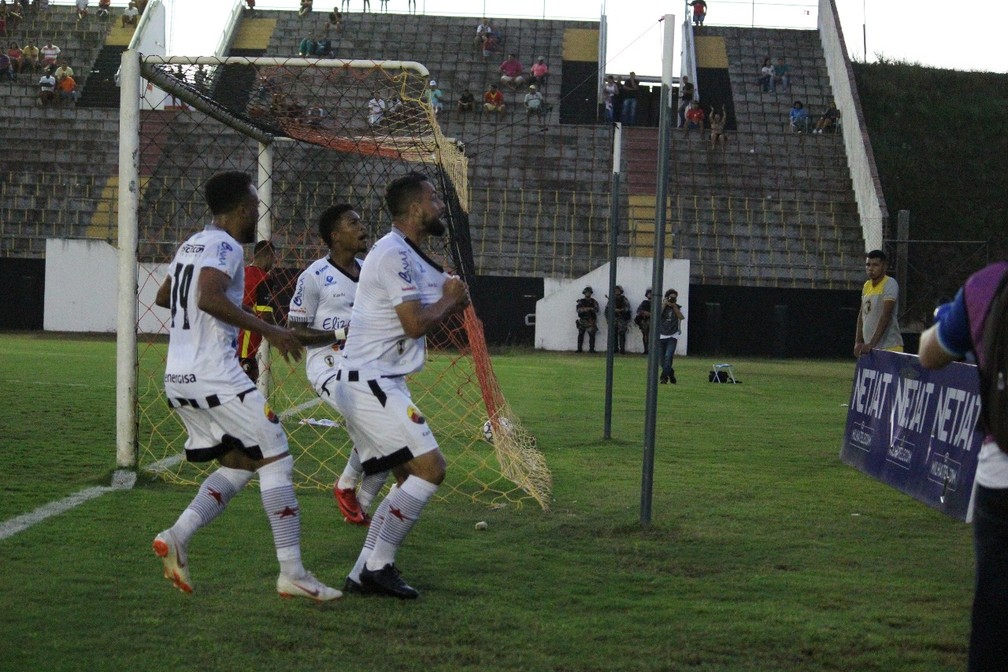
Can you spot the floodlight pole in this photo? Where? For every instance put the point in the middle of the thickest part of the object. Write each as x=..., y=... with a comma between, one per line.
x=610, y=303
x=657, y=271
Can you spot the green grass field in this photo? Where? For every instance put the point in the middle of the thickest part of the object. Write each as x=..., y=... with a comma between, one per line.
x=765, y=552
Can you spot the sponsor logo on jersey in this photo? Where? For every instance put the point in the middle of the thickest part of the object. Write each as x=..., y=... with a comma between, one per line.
x=414, y=414
x=223, y=251
x=270, y=415
x=180, y=378
x=298, y=294
x=189, y=248
x=405, y=272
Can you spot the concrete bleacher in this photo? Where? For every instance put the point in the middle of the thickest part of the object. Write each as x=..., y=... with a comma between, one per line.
x=511, y=160
x=772, y=209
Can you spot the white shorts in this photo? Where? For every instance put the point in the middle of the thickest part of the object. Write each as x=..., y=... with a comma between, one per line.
x=386, y=428
x=246, y=422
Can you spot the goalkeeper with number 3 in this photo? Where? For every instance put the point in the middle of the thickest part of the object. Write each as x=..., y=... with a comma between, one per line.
x=320, y=316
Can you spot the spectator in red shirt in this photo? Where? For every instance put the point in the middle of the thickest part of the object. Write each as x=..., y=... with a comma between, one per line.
x=493, y=100
x=511, y=72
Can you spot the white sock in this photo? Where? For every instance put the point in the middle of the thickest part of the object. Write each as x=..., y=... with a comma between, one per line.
x=405, y=506
x=213, y=497
x=276, y=488
x=352, y=472
x=369, y=489
x=372, y=536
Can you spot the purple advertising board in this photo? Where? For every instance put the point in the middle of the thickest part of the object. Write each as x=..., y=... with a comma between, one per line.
x=915, y=428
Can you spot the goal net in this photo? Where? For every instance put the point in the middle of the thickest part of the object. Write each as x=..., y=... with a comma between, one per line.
x=314, y=133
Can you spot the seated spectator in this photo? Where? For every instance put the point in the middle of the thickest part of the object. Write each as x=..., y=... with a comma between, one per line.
x=799, y=117
x=6, y=70
x=493, y=100
x=539, y=72
x=376, y=109
x=14, y=54
x=50, y=54
x=306, y=7
x=14, y=16
x=82, y=10
x=307, y=47
x=827, y=121
x=130, y=15
x=766, y=75
x=782, y=74
x=694, y=118
x=323, y=48
x=334, y=21
x=466, y=101
x=67, y=89
x=104, y=6
x=29, y=58
x=534, y=104
x=64, y=70
x=481, y=35
x=47, y=88
x=433, y=95
x=511, y=72
x=394, y=109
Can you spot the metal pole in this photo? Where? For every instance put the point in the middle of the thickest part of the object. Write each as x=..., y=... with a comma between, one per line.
x=129, y=203
x=657, y=271
x=611, y=307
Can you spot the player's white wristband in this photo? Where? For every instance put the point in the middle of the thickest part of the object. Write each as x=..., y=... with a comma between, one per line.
x=340, y=334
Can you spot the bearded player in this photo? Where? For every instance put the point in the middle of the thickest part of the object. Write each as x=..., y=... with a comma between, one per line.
x=226, y=416
x=402, y=296
x=320, y=316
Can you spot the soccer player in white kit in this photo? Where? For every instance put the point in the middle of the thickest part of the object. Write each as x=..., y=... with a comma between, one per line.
x=402, y=295
x=227, y=417
x=320, y=316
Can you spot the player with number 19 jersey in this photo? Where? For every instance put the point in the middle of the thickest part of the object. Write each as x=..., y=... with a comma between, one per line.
x=202, y=362
x=323, y=299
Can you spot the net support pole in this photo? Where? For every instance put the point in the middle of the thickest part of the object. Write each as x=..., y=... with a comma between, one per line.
x=611, y=307
x=264, y=231
x=126, y=303
x=657, y=271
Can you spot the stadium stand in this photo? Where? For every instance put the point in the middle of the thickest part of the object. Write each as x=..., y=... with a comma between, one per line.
x=782, y=214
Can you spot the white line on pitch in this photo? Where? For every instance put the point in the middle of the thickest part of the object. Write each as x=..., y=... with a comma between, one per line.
x=121, y=480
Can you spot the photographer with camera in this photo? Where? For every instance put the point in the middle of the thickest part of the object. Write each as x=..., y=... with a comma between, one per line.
x=587, y=317
x=669, y=328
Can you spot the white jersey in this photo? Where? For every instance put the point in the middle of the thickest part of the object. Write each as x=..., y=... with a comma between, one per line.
x=395, y=271
x=202, y=368
x=323, y=299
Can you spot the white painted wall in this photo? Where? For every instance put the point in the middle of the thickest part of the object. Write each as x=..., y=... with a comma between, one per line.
x=81, y=293
x=556, y=314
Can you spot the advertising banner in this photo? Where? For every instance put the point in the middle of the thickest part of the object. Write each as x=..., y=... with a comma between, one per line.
x=915, y=428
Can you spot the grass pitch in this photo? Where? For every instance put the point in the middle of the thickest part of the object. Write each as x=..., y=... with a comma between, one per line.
x=765, y=552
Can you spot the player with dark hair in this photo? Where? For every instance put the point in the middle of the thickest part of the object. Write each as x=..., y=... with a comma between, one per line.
x=226, y=416
x=320, y=315
x=877, y=326
x=258, y=300
x=402, y=295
